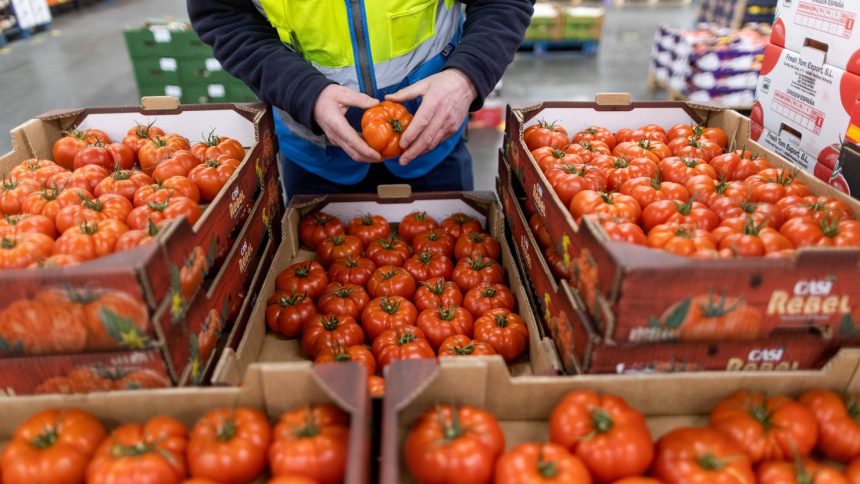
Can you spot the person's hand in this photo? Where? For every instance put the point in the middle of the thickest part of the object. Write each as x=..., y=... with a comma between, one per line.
x=445, y=104
x=329, y=111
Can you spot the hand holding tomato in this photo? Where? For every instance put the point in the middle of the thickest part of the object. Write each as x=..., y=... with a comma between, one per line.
x=329, y=111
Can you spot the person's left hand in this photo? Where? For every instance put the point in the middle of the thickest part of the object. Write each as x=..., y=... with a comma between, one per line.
x=446, y=97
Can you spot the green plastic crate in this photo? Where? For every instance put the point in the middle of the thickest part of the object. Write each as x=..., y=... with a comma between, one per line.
x=186, y=45
x=155, y=71
x=148, y=43
x=203, y=71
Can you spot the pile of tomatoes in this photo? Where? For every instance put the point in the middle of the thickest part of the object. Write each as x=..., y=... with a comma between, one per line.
x=98, y=197
x=424, y=290
x=751, y=437
x=681, y=191
x=308, y=444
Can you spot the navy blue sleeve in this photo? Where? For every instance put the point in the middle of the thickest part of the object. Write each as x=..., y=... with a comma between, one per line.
x=492, y=32
x=249, y=48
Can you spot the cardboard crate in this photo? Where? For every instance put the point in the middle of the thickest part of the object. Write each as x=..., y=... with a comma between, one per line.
x=829, y=27
x=582, y=350
x=271, y=389
x=254, y=343
x=523, y=405
x=817, y=289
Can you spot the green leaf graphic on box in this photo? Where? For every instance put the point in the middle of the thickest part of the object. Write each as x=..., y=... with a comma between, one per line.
x=122, y=330
x=11, y=349
x=194, y=359
x=678, y=315
x=847, y=327
x=210, y=256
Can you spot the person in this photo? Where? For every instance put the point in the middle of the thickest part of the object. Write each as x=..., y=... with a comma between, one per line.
x=321, y=63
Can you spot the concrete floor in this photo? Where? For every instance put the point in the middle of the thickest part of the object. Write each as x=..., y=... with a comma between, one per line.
x=83, y=62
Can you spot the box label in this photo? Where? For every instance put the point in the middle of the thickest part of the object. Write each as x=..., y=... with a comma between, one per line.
x=160, y=34
x=167, y=64
x=212, y=65
x=216, y=90
x=827, y=19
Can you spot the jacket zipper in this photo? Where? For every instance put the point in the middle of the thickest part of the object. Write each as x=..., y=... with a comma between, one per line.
x=361, y=46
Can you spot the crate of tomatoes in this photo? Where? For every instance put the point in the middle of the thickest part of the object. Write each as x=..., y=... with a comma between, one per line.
x=580, y=345
x=470, y=422
x=117, y=221
x=673, y=226
x=395, y=275
x=262, y=432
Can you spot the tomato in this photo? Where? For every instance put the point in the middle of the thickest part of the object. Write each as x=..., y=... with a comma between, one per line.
x=606, y=206
x=316, y=227
x=214, y=146
x=462, y=345
x=343, y=300
x=609, y=436
x=624, y=231
x=387, y=312
x=414, y=224
x=211, y=176
x=681, y=170
x=400, y=343
x=548, y=157
x=649, y=190
x=11, y=225
x=91, y=239
x=838, y=428
x=139, y=134
x=179, y=163
x=681, y=239
x=52, y=446
x=690, y=454
x=588, y=150
x=539, y=230
x=440, y=323
x=569, y=179
x=94, y=155
x=473, y=271
x=428, y=265
x=622, y=170
x=486, y=297
x=158, y=149
x=172, y=208
x=358, y=353
x=744, y=238
x=771, y=185
x=460, y=224
x=123, y=183
x=803, y=471
x=762, y=213
x=106, y=207
x=312, y=442
x=436, y=292
x=652, y=150
x=123, y=156
x=453, y=444
x=13, y=192
x=193, y=271
x=504, y=331
x=670, y=211
x=693, y=148
x=852, y=472
x=436, y=241
x=66, y=148
x=347, y=270
x=641, y=134
x=540, y=462
x=819, y=208
x=229, y=445
x=545, y=134
x=86, y=178
x=303, y=278
x=391, y=281
x=376, y=386
x=39, y=171
x=595, y=133
x=338, y=246
x=738, y=165
x=155, y=192
x=180, y=186
x=716, y=318
x=287, y=313
x=766, y=427
x=387, y=252
x=683, y=131
x=368, y=228
x=809, y=232
x=151, y=452
x=330, y=331
x=382, y=126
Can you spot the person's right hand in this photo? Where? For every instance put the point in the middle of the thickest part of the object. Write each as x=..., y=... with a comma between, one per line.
x=329, y=111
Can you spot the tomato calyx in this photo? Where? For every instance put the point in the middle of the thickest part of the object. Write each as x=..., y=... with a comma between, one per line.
x=136, y=450
x=310, y=429
x=390, y=274
x=751, y=228
x=710, y=462
x=159, y=206
x=9, y=184
x=437, y=288
x=142, y=131
x=420, y=216
x=463, y=350
x=389, y=305
x=7, y=243
x=50, y=194
x=350, y=262
x=292, y=300
x=829, y=226
x=75, y=133
x=340, y=354
x=321, y=220
x=211, y=139
x=337, y=240
x=446, y=313
x=690, y=162
x=303, y=272
x=226, y=431
x=367, y=220
x=120, y=175
x=852, y=407
x=452, y=430
x=406, y=337
x=89, y=228
x=621, y=163
x=387, y=244
x=46, y=439
x=488, y=292
x=480, y=263
x=686, y=207
x=461, y=219
x=396, y=125
x=426, y=257
x=547, y=469
x=342, y=292
x=209, y=162
x=159, y=142
x=330, y=323
x=152, y=229
x=501, y=320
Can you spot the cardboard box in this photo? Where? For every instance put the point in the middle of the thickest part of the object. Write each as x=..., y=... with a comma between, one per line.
x=818, y=289
x=254, y=343
x=826, y=26
x=523, y=405
x=582, y=349
x=810, y=101
x=272, y=389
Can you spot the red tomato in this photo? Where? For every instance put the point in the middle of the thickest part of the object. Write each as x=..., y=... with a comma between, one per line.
x=809, y=232
x=172, y=208
x=569, y=179
x=212, y=175
x=330, y=331
x=401, y=343
x=428, y=265
x=151, y=452
x=504, y=331
x=287, y=313
x=670, y=211
x=545, y=134
x=436, y=292
x=649, y=190
x=11, y=225
x=179, y=163
x=387, y=252
x=595, y=133
x=681, y=239
x=391, y=281
x=338, y=246
x=838, y=430
x=303, y=278
x=743, y=237
x=547, y=158
x=95, y=155
x=803, y=470
x=624, y=231
x=91, y=239
x=817, y=207
x=605, y=206
x=138, y=135
x=347, y=270
x=229, y=445
x=738, y=165
x=387, y=312
x=771, y=185
x=700, y=455
x=486, y=297
x=620, y=170
x=460, y=224
x=436, y=241
x=343, y=300
x=66, y=148
x=40, y=171
x=13, y=193
x=588, y=150
x=123, y=183
x=214, y=146
x=415, y=223
x=311, y=442
x=440, y=323
x=368, y=228
x=473, y=271
x=316, y=227
x=545, y=462
x=462, y=345
x=681, y=170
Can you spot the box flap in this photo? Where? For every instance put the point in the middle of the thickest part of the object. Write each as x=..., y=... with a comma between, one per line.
x=394, y=191
x=613, y=98
x=159, y=103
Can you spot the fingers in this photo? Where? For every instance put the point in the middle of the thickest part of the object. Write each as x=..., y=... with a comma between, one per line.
x=341, y=133
x=409, y=93
x=419, y=123
x=427, y=139
x=356, y=99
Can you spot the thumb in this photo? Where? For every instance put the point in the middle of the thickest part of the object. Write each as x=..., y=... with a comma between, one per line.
x=409, y=93
x=358, y=99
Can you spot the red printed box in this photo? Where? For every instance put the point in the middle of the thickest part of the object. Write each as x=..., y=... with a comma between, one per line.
x=827, y=26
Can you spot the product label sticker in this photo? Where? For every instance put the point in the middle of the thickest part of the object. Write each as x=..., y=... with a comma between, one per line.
x=825, y=18
x=216, y=90
x=161, y=35
x=174, y=91
x=212, y=65
x=167, y=64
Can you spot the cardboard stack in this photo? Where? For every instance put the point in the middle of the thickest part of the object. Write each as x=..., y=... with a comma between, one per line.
x=557, y=21
x=736, y=13
x=807, y=98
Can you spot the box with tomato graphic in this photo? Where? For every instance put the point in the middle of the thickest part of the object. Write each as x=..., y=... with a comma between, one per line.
x=635, y=293
x=517, y=428
x=263, y=339
x=581, y=348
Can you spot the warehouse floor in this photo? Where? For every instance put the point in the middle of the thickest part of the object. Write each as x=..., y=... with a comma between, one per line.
x=83, y=62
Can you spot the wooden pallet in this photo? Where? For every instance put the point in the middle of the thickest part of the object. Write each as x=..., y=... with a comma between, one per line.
x=544, y=47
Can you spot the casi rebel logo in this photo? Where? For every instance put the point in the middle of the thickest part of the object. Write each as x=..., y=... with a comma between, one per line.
x=237, y=199
x=809, y=299
x=537, y=196
x=245, y=256
x=762, y=359
x=524, y=243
